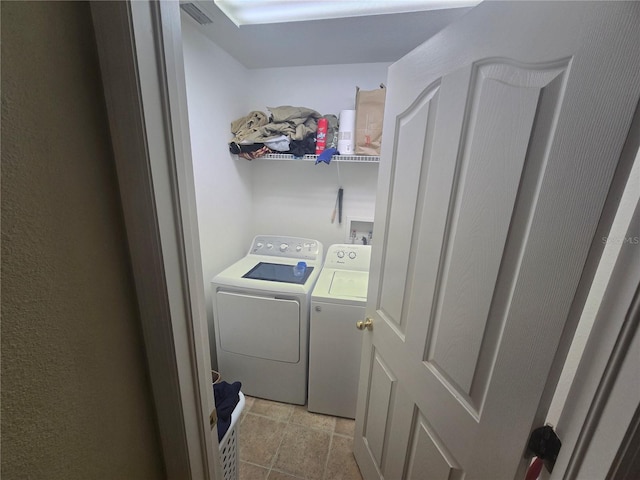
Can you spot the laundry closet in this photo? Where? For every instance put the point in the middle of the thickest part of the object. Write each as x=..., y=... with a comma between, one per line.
x=238, y=199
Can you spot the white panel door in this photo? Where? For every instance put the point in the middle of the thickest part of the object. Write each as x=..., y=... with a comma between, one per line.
x=501, y=138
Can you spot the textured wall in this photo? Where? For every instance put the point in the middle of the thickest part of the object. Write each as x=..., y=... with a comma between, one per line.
x=76, y=400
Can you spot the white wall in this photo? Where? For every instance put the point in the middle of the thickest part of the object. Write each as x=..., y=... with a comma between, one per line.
x=327, y=89
x=216, y=84
x=297, y=198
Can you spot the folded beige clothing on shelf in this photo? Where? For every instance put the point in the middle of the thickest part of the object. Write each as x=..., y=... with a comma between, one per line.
x=294, y=122
x=247, y=128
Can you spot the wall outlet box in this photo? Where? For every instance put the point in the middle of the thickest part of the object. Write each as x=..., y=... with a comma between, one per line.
x=359, y=231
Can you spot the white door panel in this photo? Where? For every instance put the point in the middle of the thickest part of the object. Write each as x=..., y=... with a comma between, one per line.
x=412, y=124
x=381, y=384
x=429, y=454
x=502, y=135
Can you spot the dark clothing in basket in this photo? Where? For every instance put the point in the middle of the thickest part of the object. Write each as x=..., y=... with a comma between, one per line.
x=226, y=397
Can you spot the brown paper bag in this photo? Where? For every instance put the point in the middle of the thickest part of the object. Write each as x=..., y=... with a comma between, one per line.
x=369, y=114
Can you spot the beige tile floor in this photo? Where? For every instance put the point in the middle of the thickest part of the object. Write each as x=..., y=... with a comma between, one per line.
x=286, y=442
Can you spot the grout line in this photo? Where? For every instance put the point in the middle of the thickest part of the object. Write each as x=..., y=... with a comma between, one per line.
x=275, y=456
x=254, y=464
x=326, y=462
x=291, y=414
x=287, y=473
x=281, y=420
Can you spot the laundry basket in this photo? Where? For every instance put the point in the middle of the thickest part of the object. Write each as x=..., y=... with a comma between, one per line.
x=229, y=454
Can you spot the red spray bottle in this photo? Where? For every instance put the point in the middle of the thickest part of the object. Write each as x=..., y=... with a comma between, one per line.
x=321, y=136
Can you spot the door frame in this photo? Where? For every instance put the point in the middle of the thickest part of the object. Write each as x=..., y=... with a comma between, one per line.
x=596, y=395
x=140, y=49
x=139, y=45
x=597, y=378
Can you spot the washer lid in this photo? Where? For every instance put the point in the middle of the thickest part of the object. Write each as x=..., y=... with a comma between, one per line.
x=348, y=283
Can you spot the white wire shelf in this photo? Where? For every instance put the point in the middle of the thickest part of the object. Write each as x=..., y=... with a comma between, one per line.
x=313, y=158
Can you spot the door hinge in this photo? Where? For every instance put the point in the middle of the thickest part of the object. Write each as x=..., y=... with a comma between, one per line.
x=544, y=444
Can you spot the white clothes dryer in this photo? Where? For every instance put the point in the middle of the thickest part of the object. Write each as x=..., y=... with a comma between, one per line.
x=338, y=301
x=261, y=317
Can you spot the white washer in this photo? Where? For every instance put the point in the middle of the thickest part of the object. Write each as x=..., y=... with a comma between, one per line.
x=337, y=303
x=261, y=317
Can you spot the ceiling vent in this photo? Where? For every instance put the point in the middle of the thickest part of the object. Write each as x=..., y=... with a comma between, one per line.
x=195, y=13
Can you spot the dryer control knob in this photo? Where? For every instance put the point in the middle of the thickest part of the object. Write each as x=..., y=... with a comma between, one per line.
x=340, y=254
x=352, y=255
x=283, y=247
x=259, y=245
x=298, y=248
x=269, y=245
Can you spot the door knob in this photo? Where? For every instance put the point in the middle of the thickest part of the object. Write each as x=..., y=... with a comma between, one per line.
x=368, y=324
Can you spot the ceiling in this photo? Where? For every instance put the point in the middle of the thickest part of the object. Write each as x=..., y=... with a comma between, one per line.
x=363, y=39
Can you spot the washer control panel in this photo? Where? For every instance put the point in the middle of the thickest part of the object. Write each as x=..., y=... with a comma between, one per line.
x=286, y=247
x=349, y=257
